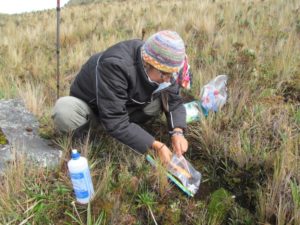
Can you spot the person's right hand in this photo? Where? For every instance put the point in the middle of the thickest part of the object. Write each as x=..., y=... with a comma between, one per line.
x=163, y=152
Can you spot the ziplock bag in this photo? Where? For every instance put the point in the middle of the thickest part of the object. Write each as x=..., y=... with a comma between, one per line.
x=193, y=183
x=185, y=172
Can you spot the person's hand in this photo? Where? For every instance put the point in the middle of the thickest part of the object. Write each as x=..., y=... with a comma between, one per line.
x=163, y=152
x=179, y=143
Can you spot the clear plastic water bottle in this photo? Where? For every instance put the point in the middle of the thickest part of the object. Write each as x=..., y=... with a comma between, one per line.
x=80, y=177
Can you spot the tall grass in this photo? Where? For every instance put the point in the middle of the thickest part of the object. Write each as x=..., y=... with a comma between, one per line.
x=250, y=148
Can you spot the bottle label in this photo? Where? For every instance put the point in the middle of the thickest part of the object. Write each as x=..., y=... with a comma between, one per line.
x=82, y=184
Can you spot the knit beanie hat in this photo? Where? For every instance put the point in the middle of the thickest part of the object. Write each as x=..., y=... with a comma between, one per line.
x=165, y=51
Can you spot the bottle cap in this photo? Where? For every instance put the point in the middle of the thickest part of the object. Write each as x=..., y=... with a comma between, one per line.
x=75, y=154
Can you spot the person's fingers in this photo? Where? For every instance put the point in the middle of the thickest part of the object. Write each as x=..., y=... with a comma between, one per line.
x=180, y=145
x=165, y=155
x=174, y=146
x=177, y=148
x=184, y=146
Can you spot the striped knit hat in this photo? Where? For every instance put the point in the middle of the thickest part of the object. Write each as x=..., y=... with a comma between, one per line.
x=165, y=51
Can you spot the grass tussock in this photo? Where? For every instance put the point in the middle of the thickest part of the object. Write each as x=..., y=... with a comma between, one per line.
x=34, y=98
x=248, y=153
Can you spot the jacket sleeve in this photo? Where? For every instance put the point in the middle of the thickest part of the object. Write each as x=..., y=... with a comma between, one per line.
x=176, y=113
x=112, y=94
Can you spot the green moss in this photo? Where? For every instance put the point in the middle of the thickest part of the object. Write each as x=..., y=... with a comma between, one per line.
x=220, y=203
x=3, y=140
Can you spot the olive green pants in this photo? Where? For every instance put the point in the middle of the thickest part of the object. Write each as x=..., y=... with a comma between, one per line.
x=71, y=113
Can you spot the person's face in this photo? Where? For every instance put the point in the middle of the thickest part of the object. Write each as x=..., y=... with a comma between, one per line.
x=158, y=76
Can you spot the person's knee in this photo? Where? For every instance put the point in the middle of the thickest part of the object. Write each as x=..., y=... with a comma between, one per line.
x=69, y=113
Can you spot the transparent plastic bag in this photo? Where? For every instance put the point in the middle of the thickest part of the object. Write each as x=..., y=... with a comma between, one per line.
x=212, y=97
x=185, y=172
x=192, y=111
x=214, y=94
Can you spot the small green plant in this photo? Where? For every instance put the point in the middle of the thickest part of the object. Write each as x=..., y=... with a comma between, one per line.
x=46, y=128
x=219, y=205
x=297, y=116
x=3, y=140
x=90, y=220
x=296, y=200
x=239, y=215
x=147, y=199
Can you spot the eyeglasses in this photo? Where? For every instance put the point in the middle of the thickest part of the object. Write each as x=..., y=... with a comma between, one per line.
x=164, y=75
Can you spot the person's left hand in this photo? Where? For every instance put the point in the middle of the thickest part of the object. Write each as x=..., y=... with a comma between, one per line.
x=179, y=144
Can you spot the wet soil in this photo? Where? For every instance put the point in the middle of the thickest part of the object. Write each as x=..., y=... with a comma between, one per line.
x=204, y=191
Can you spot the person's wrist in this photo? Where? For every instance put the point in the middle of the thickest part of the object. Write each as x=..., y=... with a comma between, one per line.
x=177, y=129
x=176, y=132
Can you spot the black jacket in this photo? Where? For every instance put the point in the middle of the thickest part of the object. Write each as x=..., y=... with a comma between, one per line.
x=114, y=83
